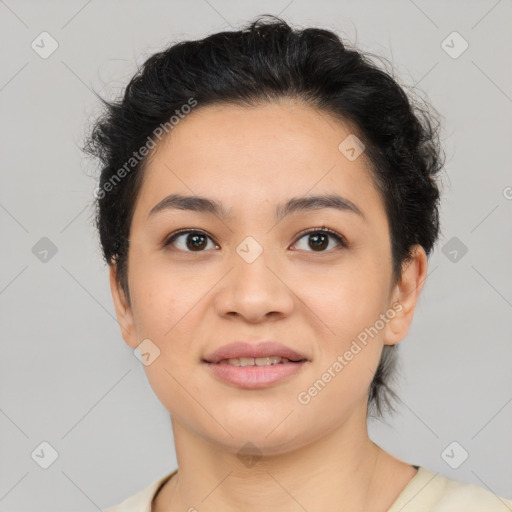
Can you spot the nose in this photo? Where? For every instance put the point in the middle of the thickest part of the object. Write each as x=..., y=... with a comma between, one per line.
x=255, y=291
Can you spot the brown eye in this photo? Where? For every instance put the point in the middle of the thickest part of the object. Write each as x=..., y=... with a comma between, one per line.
x=190, y=241
x=318, y=239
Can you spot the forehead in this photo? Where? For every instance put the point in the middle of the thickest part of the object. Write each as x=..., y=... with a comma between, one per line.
x=246, y=155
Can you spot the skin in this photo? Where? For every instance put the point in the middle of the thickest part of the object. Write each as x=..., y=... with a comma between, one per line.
x=189, y=303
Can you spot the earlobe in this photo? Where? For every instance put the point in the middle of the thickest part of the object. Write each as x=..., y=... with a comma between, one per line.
x=123, y=309
x=405, y=295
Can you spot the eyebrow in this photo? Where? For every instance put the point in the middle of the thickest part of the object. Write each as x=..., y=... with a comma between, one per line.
x=294, y=205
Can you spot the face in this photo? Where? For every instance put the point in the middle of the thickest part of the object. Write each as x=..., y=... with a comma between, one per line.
x=253, y=271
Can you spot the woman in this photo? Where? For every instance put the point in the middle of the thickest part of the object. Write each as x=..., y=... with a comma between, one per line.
x=267, y=204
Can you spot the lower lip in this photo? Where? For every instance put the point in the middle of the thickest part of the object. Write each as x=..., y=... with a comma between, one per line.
x=255, y=377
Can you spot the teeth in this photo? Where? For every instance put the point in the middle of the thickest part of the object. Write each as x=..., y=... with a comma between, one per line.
x=258, y=361
x=267, y=361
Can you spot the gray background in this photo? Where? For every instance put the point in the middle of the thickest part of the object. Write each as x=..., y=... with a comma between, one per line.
x=66, y=375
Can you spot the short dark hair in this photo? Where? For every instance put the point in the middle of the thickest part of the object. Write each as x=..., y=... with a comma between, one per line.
x=264, y=61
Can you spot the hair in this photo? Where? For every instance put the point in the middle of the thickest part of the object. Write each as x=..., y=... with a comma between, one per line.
x=261, y=63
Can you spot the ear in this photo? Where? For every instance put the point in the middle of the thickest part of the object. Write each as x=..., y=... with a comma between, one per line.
x=123, y=309
x=404, y=296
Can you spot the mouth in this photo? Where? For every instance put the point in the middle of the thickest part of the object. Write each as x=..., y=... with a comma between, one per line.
x=254, y=365
x=255, y=373
x=252, y=376
x=258, y=361
x=261, y=353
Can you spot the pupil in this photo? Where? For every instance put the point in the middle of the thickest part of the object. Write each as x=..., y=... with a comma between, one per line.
x=195, y=238
x=317, y=241
x=317, y=238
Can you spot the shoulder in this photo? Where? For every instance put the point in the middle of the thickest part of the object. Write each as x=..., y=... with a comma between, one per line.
x=429, y=491
x=141, y=502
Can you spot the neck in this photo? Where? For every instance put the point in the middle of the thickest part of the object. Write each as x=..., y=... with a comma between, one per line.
x=343, y=470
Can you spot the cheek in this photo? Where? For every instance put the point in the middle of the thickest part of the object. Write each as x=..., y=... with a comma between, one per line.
x=168, y=306
x=348, y=302
x=350, y=299
x=161, y=296
x=347, y=350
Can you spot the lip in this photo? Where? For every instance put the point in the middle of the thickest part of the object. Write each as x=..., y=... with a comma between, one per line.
x=256, y=349
x=254, y=377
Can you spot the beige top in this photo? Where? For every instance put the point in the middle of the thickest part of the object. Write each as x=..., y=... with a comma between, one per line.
x=426, y=492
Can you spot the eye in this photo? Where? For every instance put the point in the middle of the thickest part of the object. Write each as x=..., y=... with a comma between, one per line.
x=194, y=240
x=319, y=239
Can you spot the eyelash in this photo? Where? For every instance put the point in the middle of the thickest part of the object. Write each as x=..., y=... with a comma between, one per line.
x=339, y=238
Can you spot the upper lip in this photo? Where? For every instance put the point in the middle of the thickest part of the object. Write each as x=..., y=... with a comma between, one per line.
x=256, y=349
